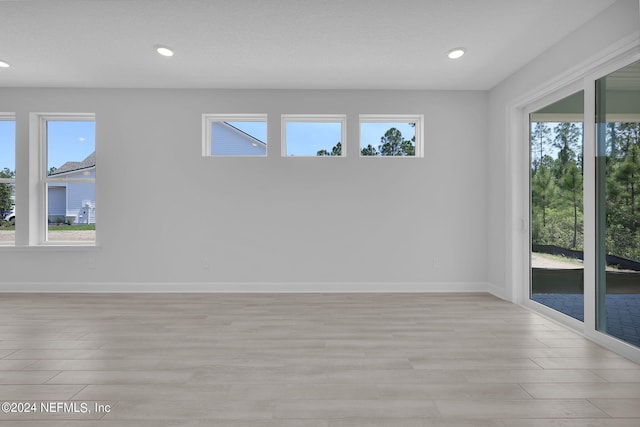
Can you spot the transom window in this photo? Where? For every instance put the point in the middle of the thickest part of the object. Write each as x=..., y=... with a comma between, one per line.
x=391, y=135
x=313, y=135
x=234, y=135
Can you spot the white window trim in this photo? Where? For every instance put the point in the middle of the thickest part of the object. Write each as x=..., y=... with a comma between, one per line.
x=418, y=119
x=38, y=136
x=314, y=118
x=208, y=119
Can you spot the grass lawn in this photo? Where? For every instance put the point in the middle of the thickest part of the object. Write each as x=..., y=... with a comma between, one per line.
x=62, y=227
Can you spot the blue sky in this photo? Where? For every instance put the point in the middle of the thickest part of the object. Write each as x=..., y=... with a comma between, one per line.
x=371, y=132
x=549, y=148
x=68, y=141
x=307, y=138
x=75, y=140
x=7, y=144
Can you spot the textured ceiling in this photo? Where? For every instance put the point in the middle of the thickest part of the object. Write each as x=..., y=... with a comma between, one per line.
x=323, y=44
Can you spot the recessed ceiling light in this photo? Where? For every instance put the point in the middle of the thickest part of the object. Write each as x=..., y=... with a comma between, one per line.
x=164, y=51
x=4, y=64
x=456, y=53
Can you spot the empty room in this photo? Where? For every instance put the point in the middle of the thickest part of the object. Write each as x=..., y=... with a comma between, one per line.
x=201, y=222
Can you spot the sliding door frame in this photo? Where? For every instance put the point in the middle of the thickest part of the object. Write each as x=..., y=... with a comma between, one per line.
x=519, y=243
x=558, y=95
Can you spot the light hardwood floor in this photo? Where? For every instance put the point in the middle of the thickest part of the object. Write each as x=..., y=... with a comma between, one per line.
x=305, y=360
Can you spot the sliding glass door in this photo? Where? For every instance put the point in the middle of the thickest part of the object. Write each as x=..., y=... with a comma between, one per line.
x=559, y=183
x=556, y=195
x=618, y=204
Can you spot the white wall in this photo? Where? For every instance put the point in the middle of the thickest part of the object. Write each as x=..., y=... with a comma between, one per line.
x=614, y=29
x=266, y=223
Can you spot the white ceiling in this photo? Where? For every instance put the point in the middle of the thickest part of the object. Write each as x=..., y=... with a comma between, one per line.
x=323, y=44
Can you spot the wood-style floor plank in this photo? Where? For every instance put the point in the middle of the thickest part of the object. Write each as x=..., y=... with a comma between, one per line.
x=304, y=360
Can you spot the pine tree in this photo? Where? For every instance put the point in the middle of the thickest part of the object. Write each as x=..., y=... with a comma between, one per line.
x=568, y=140
x=335, y=151
x=540, y=143
x=572, y=187
x=543, y=189
x=393, y=144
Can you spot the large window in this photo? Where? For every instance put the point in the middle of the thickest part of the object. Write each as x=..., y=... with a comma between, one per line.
x=234, y=135
x=68, y=171
x=557, y=214
x=7, y=178
x=618, y=204
x=391, y=135
x=313, y=135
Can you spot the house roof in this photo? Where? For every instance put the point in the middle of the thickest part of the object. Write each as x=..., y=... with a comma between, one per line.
x=251, y=137
x=88, y=162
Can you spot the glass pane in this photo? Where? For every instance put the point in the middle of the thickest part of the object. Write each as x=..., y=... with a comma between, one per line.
x=239, y=138
x=7, y=145
x=387, y=139
x=7, y=189
x=70, y=146
x=314, y=138
x=71, y=205
x=618, y=204
x=71, y=211
x=557, y=238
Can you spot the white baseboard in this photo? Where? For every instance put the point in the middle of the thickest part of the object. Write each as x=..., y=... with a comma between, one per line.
x=243, y=287
x=496, y=291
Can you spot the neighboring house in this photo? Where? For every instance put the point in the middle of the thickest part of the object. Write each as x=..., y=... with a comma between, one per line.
x=73, y=201
x=228, y=140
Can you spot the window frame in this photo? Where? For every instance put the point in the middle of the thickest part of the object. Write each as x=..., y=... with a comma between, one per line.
x=209, y=118
x=418, y=119
x=41, y=120
x=313, y=118
x=10, y=117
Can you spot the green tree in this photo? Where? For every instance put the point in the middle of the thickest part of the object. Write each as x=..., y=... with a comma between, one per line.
x=611, y=140
x=627, y=175
x=540, y=142
x=369, y=150
x=627, y=135
x=622, y=189
x=393, y=144
x=335, y=151
x=572, y=188
x=543, y=190
x=408, y=147
x=6, y=189
x=557, y=184
x=568, y=140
